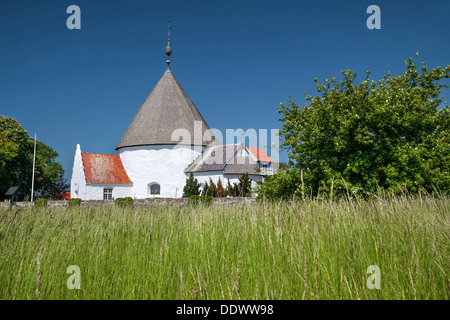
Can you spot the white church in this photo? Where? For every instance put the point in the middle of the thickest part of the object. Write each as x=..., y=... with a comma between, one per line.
x=167, y=140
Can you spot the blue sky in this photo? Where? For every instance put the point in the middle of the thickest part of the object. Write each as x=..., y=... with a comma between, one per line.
x=237, y=60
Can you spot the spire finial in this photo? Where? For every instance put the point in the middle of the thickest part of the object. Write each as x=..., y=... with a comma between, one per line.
x=168, y=48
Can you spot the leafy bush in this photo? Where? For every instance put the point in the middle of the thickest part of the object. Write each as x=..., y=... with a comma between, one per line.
x=74, y=202
x=285, y=184
x=195, y=199
x=354, y=138
x=123, y=202
x=40, y=202
x=206, y=199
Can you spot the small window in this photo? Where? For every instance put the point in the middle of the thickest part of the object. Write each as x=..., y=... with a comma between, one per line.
x=107, y=193
x=154, y=189
x=264, y=168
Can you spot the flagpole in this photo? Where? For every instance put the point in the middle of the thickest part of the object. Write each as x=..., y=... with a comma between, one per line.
x=34, y=160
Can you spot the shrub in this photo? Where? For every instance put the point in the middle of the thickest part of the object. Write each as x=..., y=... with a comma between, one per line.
x=195, y=199
x=206, y=199
x=40, y=202
x=391, y=134
x=74, y=202
x=282, y=185
x=123, y=202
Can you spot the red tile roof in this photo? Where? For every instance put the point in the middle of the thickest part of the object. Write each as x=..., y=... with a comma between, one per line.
x=104, y=168
x=259, y=154
x=62, y=196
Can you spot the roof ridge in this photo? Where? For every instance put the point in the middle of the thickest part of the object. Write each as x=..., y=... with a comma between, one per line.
x=102, y=154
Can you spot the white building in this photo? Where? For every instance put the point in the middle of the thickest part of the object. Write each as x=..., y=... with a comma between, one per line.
x=166, y=141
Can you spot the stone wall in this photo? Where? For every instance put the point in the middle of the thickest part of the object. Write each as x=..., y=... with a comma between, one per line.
x=137, y=202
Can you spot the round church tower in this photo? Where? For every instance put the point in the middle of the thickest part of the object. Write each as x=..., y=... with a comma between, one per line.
x=167, y=134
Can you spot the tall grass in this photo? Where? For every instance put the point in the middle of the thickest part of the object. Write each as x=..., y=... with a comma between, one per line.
x=305, y=250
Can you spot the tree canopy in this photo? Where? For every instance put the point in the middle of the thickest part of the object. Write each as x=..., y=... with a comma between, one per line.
x=16, y=160
x=358, y=138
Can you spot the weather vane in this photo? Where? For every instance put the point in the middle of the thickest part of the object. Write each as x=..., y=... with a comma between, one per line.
x=168, y=48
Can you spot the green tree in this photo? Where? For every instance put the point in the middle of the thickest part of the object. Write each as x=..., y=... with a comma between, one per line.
x=206, y=191
x=212, y=191
x=221, y=191
x=48, y=171
x=245, y=185
x=16, y=160
x=230, y=190
x=236, y=189
x=357, y=137
x=286, y=184
x=15, y=163
x=192, y=187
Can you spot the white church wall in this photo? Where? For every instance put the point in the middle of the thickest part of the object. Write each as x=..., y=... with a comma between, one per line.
x=203, y=177
x=235, y=178
x=162, y=164
x=78, y=181
x=80, y=189
x=94, y=191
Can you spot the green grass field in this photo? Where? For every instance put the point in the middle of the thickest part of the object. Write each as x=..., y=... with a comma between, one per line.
x=311, y=250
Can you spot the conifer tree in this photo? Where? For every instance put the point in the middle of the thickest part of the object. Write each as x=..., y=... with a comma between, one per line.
x=206, y=190
x=213, y=188
x=245, y=185
x=236, y=189
x=230, y=189
x=221, y=191
x=192, y=187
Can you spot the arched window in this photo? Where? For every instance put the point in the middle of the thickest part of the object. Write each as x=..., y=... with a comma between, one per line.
x=154, y=189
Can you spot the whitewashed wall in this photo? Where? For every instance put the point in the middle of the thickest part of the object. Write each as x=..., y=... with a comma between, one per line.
x=235, y=178
x=162, y=164
x=78, y=181
x=94, y=191
x=79, y=188
x=203, y=177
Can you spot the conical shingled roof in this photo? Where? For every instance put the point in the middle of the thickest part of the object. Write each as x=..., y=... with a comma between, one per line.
x=166, y=109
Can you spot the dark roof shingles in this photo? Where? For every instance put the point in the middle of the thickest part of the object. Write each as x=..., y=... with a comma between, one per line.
x=240, y=165
x=215, y=158
x=166, y=109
